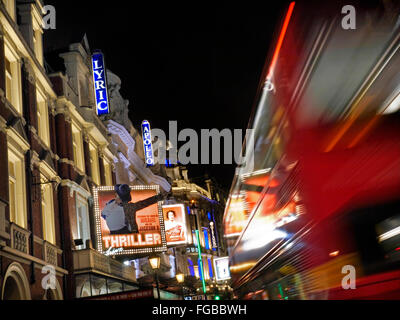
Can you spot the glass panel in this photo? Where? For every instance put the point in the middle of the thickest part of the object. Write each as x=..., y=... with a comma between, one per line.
x=114, y=286
x=12, y=200
x=82, y=283
x=99, y=285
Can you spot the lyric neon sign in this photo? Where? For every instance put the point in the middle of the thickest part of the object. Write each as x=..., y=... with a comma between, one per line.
x=100, y=84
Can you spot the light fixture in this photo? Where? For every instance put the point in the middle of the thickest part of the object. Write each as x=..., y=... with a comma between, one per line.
x=180, y=277
x=155, y=262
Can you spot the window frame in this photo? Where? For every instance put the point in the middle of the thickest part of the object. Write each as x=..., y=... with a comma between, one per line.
x=11, y=55
x=42, y=114
x=47, y=210
x=20, y=217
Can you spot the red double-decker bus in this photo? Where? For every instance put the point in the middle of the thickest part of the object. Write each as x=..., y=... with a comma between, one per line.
x=314, y=213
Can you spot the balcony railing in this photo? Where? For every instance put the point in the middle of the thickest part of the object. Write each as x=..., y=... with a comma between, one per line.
x=90, y=260
x=50, y=253
x=19, y=238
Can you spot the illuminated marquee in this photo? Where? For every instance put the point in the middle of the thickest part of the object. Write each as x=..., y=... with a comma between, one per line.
x=147, y=146
x=100, y=84
x=151, y=231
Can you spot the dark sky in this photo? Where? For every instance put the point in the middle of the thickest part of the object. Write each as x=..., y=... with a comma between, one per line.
x=196, y=62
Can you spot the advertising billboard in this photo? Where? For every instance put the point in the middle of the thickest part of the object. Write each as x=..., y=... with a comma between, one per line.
x=221, y=266
x=100, y=83
x=117, y=232
x=175, y=224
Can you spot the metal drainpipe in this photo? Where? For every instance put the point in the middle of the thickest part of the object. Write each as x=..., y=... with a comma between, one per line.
x=62, y=238
x=29, y=199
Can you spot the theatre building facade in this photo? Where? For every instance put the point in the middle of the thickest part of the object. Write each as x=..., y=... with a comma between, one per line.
x=30, y=237
x=54, y=149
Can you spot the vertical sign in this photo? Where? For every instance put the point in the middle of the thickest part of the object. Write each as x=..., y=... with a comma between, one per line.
x=147, y=146
x=213, y=239
x=100, y=83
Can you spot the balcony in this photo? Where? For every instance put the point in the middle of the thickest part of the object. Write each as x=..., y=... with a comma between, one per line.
x=19, y=238
x=92, y=261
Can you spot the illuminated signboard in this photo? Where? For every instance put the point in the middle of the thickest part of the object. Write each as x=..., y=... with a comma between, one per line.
x=100, y=83
x=110, y=217
x=147, y=146
x=221, y=266
x=175, y=224
x=213, y=239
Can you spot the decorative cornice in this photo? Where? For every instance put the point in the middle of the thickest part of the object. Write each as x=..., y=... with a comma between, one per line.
x=29, y=70
x=85, y=135
x=3, y=124
x=35, y=160
x=66, y=160
x=75, y=187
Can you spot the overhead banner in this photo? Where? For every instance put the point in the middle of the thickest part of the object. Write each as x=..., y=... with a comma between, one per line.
x=175, y=224
x=115, y=236
x=147, y=146
x=221, y=266
x=100, y=84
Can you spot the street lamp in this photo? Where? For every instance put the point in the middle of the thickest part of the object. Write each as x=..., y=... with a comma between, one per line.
x=180, y=277
x=155, y=265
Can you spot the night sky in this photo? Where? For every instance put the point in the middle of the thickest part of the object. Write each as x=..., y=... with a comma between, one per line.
x=196, y=62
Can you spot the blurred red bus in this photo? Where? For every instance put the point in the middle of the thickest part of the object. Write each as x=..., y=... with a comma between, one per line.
x=320, y=190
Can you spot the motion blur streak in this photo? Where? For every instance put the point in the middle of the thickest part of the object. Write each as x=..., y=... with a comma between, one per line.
x=324, y=194
x=280, y=40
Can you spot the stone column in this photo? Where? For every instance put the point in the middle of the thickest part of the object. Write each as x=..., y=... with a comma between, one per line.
x=2, y=64
x=29, y=96
x=101, y=167
x=86, y=151
x=52, y=125
x=4, y=196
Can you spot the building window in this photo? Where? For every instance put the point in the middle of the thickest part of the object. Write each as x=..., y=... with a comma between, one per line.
x=82, y=221
x=43, y=118
x=16, y=183
x=77, y=145
x=94, y=163
x=191, y=267
x=83, y=93
x=108, y=173
x=48, y=211
x=8, y=80
x=37, y=45
x=10, y=6
x=210, y=268
x=13, y=76
x=206, y=238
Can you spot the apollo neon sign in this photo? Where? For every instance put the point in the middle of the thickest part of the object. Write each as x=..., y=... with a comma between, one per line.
x=147, y=146
x=100, y=84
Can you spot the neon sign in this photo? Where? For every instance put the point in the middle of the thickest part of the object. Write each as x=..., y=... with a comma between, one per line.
x=100, y=84
x=147, y=146
x=213, y=239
